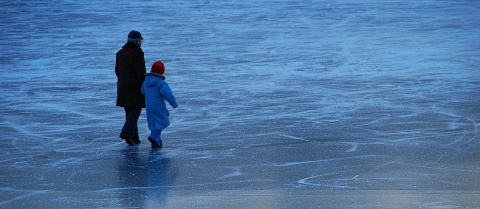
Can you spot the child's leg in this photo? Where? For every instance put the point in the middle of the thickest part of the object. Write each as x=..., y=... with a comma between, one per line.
x=159, y=139
x=155, y=139
x=154, y=134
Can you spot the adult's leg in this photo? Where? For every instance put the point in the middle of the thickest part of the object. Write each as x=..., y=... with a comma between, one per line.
x=136, y=138
x=130, y=128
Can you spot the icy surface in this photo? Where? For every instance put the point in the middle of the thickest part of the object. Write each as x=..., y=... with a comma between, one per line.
x=303, y=104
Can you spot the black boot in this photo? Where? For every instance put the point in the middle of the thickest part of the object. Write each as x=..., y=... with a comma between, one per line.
x=128, y=140
x=136, y=141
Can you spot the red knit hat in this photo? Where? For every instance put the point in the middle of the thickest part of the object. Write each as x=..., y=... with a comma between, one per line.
x=158, y=67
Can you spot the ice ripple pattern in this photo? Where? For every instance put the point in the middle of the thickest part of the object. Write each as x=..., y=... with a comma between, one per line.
x=283, y=95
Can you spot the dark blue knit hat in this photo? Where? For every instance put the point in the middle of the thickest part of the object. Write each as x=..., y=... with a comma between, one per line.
x=134, y=35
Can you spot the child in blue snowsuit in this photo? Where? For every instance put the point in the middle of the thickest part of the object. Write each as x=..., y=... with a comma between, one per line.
x=156, y=91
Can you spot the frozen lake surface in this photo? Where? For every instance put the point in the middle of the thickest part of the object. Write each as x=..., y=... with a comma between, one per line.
x=283, y=104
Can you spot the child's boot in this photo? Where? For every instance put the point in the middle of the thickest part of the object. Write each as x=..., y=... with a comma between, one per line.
x=155, y=144
x=154, y=138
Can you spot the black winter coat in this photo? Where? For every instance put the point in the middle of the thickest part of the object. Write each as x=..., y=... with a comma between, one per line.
x=130, y=71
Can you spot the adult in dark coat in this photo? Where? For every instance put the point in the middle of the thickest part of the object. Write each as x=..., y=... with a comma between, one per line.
x=130, y=71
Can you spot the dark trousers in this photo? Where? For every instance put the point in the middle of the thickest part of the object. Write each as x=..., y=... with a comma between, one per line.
x=130, y=128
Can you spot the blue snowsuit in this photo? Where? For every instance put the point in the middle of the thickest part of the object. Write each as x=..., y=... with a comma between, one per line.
x=156, y=91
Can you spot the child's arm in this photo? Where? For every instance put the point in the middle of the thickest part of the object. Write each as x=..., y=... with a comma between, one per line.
x=167, y=93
